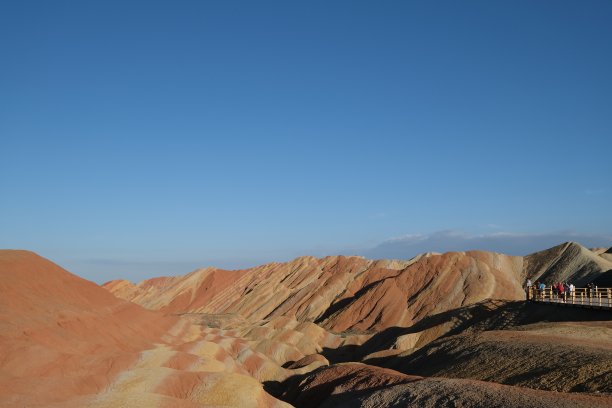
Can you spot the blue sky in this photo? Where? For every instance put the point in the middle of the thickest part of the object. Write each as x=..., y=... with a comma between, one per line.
x=147, y=138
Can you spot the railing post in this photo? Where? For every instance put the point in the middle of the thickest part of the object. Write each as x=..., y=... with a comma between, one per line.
x=575, y=294
x=599, y=294
x=529, y=294
x=595, y=297
x=588, y=295
x=551, y=294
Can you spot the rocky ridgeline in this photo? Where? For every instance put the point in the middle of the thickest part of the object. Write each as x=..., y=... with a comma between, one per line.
x=336, y=331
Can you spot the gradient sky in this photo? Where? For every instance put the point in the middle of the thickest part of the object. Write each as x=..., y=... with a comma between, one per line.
x=147, y=138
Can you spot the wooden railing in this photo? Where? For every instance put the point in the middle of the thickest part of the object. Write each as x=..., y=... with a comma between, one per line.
x=592, y=297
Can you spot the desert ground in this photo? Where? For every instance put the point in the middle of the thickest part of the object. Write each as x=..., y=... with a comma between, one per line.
x=438, y=330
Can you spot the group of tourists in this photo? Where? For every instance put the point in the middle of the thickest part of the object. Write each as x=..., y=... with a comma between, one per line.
x=560, y=290
x=591, y=290
x=565, y=292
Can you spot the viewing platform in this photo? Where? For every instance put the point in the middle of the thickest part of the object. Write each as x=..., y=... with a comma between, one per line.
x=592, y=298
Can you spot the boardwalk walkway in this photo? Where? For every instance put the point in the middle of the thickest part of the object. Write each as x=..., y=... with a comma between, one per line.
x=595, y=298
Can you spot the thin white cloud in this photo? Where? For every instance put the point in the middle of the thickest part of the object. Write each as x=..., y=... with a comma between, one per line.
x=511, y=243
x=408, y=238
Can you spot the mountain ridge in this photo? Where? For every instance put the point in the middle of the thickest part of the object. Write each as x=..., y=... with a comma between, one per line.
x=247, y=338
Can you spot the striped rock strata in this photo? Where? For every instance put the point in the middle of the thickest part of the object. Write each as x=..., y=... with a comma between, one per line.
x=66, y=342
x=338, y=293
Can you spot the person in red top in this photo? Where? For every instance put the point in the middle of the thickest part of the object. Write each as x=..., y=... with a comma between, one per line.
x=561, y=290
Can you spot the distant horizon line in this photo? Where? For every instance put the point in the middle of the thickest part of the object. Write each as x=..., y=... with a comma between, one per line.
x=189, y=266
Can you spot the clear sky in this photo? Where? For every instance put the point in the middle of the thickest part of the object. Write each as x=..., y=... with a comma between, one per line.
x=147, y=138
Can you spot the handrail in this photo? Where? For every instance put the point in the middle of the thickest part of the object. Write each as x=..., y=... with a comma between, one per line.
x=595, y=297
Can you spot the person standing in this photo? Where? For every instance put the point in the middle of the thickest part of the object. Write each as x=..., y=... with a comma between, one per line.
x=542, y=288
x=528, y=284
x=561, y=291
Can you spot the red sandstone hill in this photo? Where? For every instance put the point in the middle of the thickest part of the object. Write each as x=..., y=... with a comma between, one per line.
x=60, y=335
x=214, y=337
x=339, y=293
x=66, y=342
x=359, y=295
x=390, y=313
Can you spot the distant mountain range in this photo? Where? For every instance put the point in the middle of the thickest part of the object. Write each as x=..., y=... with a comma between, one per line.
x=342, y=293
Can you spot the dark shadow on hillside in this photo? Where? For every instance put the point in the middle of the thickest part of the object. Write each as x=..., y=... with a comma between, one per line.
x=276, y=388
x=486, y=315
x=341, y=304
x=462, y=318
x=604, y=280
x=332, y=392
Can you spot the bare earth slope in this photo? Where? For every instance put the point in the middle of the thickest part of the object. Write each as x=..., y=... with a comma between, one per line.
x=605, y=253
x=566, y=357
x=214, y=337
x=53, y=323
x=566, y=262
x=358, y=385
x=457, y=315
x=66, y=342
x=339, y=293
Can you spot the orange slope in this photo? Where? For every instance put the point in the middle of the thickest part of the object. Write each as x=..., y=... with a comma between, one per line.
x=62, y=336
